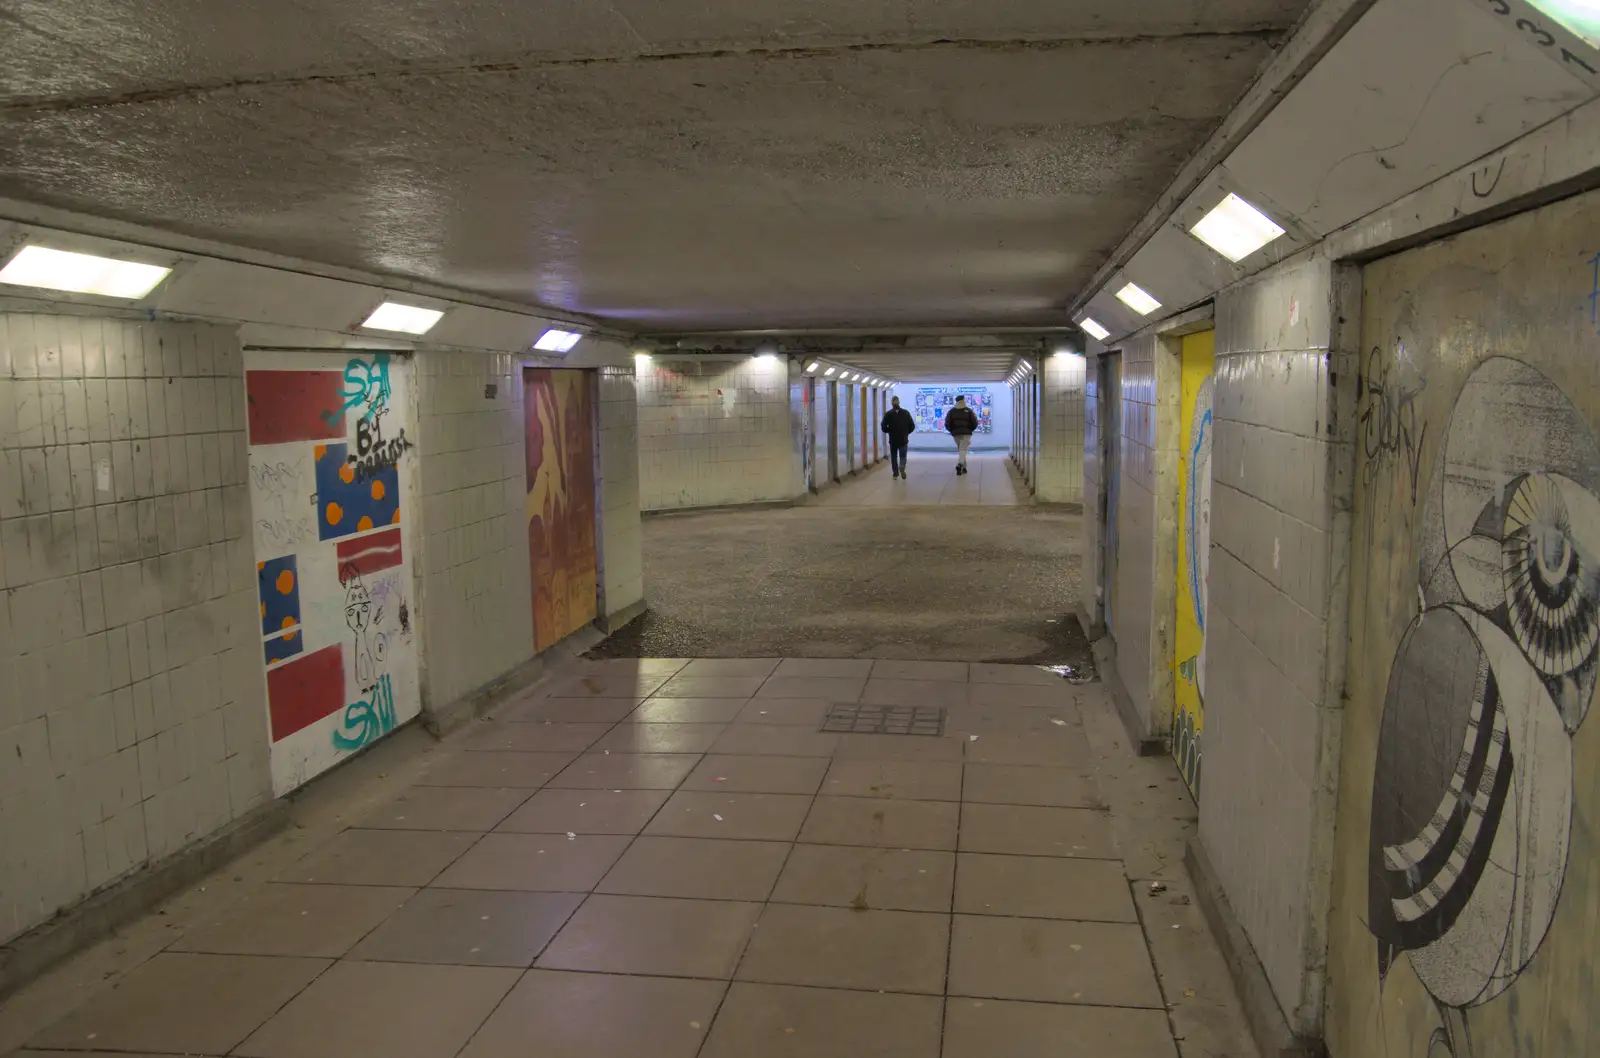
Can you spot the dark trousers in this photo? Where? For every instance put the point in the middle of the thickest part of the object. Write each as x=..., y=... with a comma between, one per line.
x=897, y=456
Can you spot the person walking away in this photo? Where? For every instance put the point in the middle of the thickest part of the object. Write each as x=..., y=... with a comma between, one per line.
x=961, y=424
x=899, y=425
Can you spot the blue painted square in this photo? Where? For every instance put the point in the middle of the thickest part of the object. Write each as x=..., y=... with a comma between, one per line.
x=285, y=646
x=355, y=497
x=278, y=582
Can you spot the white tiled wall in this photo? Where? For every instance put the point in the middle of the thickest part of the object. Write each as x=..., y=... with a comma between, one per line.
x=714, y=431
x=1271, y=720
x=132, y=702
x=1061, y=430
x=1093, y=514
x=1136, y=526
x=477, y=609
x=621, y=537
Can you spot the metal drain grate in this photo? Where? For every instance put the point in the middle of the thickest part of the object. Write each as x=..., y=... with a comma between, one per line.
x=884, y=720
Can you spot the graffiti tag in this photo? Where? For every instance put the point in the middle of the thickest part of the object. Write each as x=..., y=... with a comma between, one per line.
x=1390, y=431
x=363, y=616
x=283, y=521
x=365, y=384
x=1594, y=294
x=374, y=454
x=367, y=720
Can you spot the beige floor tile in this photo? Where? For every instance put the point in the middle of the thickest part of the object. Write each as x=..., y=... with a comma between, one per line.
x=626, y=771
x=651, y=935
x=1097, y=963
x=526, y=770
x=535, y=862
x=825, y=668
x=828, y=688
x=633, y=666
x=1050, y=747
x=897, y=779
x=899, y=747
x=921, y=671
x=383, y=1010
x=1013, y=674
x=1013, y=784
x=586, y=812
x=1024, y=695
x=775, y=740
x=1033, y=724
x=447, y=808
x=731, y=667
x=796, y=712
x=1043, y=887
x=713, y=687
x=663, y=710
x=893, y=951
x=1024, y=830
x=755, y=774
x=381, y=857
x=882, y=823
x=988, y=1028
x=638, y=686
x=660, y=738
x=591, y=1015
x=938, y=694
x=184, y=1004
x=699, y=868
x=862, y=878
x=779, y=1021
x=567, y=710
x=321, y=921
x=466, y=927
x=746, y=816
x=535, y=737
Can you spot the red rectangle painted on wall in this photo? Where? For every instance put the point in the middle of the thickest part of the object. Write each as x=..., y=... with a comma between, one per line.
x=368, y=554
x=301, y=692
x=294, y=406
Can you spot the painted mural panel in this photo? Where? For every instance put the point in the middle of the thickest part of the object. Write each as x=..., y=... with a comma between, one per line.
x=1194, y=555
x=330, y=451
x=559, y=415
x=1467, y=887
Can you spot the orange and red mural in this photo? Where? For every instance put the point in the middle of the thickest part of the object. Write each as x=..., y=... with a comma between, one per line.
x=558, y=409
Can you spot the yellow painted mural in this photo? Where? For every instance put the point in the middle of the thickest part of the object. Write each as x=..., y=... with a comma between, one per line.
x=1194, y=547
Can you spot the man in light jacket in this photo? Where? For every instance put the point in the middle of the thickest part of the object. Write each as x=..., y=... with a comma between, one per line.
x=899, y=425
x=961, y=424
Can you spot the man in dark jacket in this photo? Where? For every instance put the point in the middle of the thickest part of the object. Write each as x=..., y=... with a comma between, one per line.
x=961, y=423
x=899, y=425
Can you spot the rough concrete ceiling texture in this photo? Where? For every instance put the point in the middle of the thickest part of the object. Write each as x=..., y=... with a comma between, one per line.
x=666, y=164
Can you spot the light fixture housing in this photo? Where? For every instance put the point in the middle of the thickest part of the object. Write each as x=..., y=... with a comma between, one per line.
x=402, y=319
x=829, y=373
x=1236, y=229
x=1093, y=329
x=1138, y=299
x=557, y=341
x=1580, y=17
x=42, y=268
x=812, y=367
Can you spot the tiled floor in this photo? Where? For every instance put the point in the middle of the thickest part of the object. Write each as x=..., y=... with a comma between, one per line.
x=931, y=481
x=664, y=859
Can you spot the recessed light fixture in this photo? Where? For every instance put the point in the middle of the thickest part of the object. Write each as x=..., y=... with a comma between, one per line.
x=402, y=319
x=554, y=341
x=811, y=367
x=1236, y=229
x=1137, y=299
x=829, y=373
x=1582, y=17
x=1092, y=328
x=642, y=357
x=81, y=273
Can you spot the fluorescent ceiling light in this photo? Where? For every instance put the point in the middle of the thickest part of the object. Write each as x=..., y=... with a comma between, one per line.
x=405, y=319
x=1236, y=229
x=554, y=341
x=829, y=373
x=1582, y=17
x=1137, y=299
x=1027, y=366
x=811, y=367
x=81, y=273
x=1093, y=329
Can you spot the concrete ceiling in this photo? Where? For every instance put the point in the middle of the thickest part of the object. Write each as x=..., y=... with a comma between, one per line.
x=665, y=164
